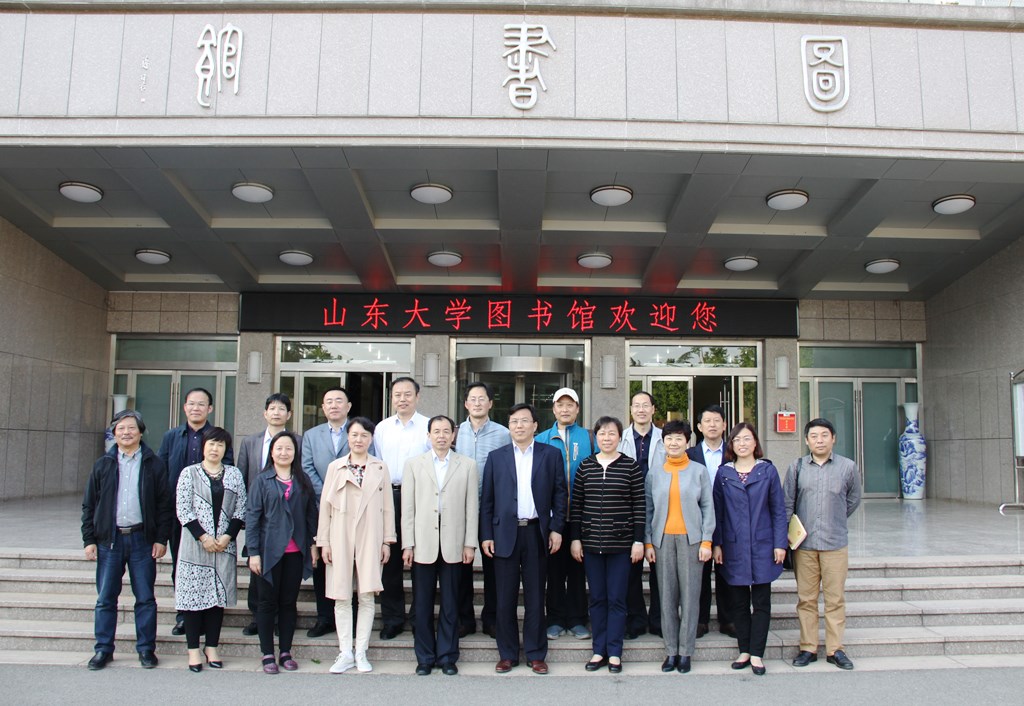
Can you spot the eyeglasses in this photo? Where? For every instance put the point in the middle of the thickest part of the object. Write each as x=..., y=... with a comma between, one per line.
x=196, y=405
x=477, y=400
x=643, y=406
x=519, y=422
x=743, y=439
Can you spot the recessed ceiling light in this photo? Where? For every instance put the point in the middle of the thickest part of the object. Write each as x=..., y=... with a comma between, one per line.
x=81, y=192
x=444, y=258
x=295, y=258
x=611, y=195
x=251, y=192
x=744, y=263
x=883, y=266
x=594, y=260
x=787, y=199
x=953, y=204
x=432, y=194
x=153, y=257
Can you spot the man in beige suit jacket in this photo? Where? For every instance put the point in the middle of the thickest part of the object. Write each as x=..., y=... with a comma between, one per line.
x=440, y=511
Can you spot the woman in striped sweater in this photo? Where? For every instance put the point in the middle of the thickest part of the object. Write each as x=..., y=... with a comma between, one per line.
x=606, y=526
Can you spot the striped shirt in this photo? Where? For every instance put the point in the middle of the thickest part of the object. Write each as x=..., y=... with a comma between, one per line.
x=607, y=511
x=829, y=493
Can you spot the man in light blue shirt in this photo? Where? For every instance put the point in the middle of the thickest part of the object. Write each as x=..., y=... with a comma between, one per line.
x=478, y=436
x=711, y=424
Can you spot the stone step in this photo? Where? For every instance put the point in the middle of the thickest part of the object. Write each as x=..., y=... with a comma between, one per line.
x=77, y=636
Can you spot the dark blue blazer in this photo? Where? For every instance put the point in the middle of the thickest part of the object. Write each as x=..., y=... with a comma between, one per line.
x=271, y=522
x=174, y=447
x=750, y=523
x=499, y=502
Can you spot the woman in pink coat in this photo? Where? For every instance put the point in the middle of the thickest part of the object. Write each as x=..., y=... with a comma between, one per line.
x=357, y=527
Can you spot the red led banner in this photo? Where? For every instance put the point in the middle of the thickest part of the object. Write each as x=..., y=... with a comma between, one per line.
x=517, y=314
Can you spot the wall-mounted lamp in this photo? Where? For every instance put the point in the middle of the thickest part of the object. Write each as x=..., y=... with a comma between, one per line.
x=608, y=372
x=431, y=370
x=254, y=373
x=782, y=372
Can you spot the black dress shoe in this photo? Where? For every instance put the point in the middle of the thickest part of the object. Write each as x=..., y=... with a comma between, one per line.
x=615, y=667
x=450, y=669
x=195, y=667
x=491, y=631
x=740, y=665
x=251, y=629
x=594, y=665
x=465, y=630
x=684, y=665
x=670, y=664
x=728, y=629
x=632, y=634
x=100, y=660
x=655, y=630
x=214, y=664
x=148, y=659
x=759, y=671
x=840, y=660
x=179, y=628
x=803, y=658
x=702, y=630
x=423, y=670
x=390, y=632
x=320, y=629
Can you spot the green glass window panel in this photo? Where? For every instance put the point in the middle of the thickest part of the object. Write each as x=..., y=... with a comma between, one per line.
x=854, y=357
x=836, y=404
x=228, y=406
x=208, y=383
x=392, y=356
x=693, y=356
x=805, y=401
x=910, y=391
x=881, y=438
x=153, y=402
x=749, y=401
x=161, y=350
x=120, y=384
x=673, y=398
x=288, y=388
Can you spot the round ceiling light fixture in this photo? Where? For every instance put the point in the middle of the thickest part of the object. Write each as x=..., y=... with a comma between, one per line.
x=953, y=204
x=431, y=194
x=743, y=263
x=295, y=258
x=594, y=260
x=883, y=266
x=611, y=195
x=80, y=192
x=152, y=257
x=252, y=192
x=444, y=258
x=787, y=199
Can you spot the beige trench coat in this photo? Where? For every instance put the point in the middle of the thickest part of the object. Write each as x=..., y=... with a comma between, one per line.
x=355, y=522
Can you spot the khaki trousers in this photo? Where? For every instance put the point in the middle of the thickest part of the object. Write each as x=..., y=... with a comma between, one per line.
x=827, y=570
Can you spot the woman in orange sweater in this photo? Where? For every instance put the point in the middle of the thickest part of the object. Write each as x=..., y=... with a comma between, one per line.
x=678, y=531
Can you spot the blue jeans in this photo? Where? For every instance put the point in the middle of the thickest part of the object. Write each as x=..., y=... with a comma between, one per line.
x=608, y=577
x=136, y=553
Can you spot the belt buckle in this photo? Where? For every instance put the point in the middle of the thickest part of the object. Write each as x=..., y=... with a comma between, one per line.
x=125, y=530
x=524, y=523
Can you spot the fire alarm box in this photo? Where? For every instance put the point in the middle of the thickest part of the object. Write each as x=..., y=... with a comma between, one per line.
x=785, y=422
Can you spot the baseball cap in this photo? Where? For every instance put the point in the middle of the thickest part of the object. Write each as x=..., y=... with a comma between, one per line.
x=566, y=392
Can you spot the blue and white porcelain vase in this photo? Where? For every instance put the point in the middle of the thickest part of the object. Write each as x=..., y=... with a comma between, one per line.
x=913, y=456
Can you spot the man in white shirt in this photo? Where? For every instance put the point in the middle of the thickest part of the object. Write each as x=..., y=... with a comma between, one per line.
x=398, y=438
x=252, y=459
x=709, y=452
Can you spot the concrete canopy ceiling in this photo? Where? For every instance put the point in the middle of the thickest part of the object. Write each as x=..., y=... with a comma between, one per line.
x=518, y=217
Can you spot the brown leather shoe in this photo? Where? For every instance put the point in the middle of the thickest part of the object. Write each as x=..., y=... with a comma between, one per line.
x=539, y=666
x=504, y=666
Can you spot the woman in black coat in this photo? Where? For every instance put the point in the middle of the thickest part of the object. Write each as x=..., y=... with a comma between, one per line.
x=280, y=522
x=606, y=526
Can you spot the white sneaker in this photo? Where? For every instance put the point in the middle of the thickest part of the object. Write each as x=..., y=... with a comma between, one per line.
x=363, y=664
x=344, y=663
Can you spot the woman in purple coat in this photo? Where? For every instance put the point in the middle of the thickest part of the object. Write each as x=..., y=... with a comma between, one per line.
x=750, y=539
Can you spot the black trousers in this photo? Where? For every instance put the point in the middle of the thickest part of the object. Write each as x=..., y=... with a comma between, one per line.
x=324, y=605
x=207, y=621
x=638, y=618
x=441, y=647
x=752, y=616
x=567, y=589
x=467, y=610
x=278, y=602
x=721, y=592
x=392, y=598
x=253, y=600
x=527, y=562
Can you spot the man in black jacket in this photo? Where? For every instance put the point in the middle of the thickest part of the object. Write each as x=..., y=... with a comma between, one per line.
x=126, y=518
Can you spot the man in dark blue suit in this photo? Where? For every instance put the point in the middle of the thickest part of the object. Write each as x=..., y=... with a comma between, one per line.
x=522, y=517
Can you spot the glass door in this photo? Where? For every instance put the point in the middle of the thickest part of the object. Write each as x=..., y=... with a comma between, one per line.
x=865, y=412
x=153, y=395
x=672, y=396
x=158, y=396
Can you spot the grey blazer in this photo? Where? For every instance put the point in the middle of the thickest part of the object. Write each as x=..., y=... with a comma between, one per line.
x=695, y=497
x=318, y=453
x=250, y=453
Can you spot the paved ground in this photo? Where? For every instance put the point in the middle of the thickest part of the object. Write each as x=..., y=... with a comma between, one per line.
x=121, y=684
